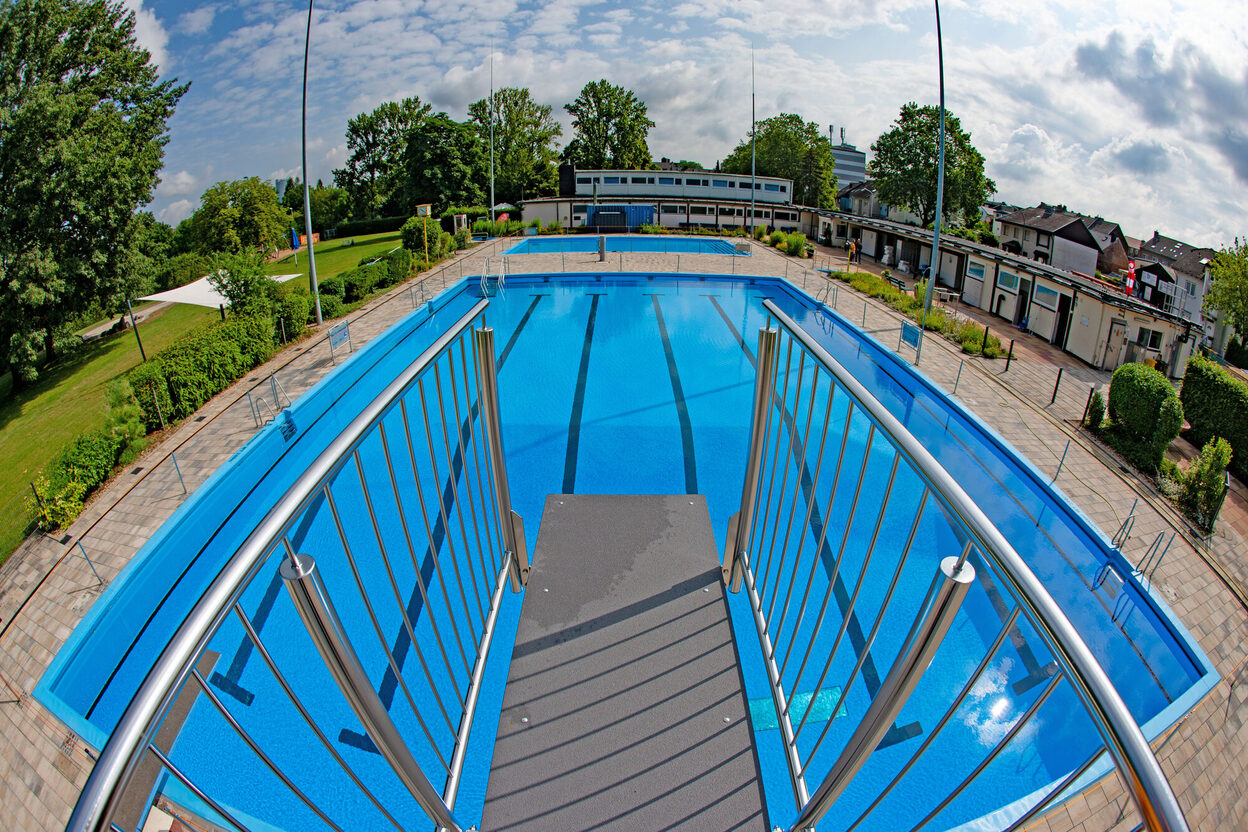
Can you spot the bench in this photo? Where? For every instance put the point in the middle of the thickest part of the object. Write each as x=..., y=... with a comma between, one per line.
x=896, y=282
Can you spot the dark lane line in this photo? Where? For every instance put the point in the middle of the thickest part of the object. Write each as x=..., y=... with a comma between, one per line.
x=578, y=402
x=682, y=409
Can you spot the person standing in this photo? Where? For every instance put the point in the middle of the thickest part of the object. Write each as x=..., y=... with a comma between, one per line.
x=852, y=251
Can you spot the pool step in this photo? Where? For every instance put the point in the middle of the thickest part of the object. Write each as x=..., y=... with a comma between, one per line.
x=624, y=707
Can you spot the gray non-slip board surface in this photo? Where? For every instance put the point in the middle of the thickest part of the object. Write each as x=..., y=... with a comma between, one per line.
x=624, y=707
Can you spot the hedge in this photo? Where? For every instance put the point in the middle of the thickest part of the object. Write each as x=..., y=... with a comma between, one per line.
x=379, y=225
x=201, y=365
x=1136, y=393
x=1216, y=404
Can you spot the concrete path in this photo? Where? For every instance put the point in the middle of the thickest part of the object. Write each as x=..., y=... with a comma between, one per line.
x=47, y=585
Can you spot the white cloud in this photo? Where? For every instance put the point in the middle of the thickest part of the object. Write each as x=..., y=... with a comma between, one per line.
x=149, y=32
x=175, y=212
x=196, y=21
x=177, y=184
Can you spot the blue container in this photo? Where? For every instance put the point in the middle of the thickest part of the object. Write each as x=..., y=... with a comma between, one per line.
x=621, y=217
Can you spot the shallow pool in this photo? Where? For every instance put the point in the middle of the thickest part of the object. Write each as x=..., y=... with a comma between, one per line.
x=628, y=385
x=659, y=244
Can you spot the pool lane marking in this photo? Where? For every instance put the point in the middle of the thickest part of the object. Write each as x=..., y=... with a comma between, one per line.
x=191, y=562
x=578, y=401
x=229, y=681
x=682, y=409
x=389, y=683
x=870, y=675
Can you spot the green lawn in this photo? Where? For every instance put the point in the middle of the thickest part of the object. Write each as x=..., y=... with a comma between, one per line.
x=68, y=399
x=335, y=256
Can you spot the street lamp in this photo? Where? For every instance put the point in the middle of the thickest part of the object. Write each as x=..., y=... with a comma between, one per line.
x=307, y=194
x=933, y=266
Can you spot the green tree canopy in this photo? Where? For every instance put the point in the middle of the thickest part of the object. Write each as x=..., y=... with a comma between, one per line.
x=444, y=164
x=610, y=126
x=524, y=152
x=789, y=147
x=1228, y=293
x=372, y=174
x=330, y=205
x=239, y=216
x=904, y=166
x=82, y=135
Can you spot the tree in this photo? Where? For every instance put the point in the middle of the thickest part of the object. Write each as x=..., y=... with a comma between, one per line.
x=376, y=142
x=242, y=280
x=524, y=135
x=239, y=216
x=1228, y=293
x=905, y=160
x=82, y=134
x=444, y=164
x=611, y=127
x=330, y=206
x=794, y=149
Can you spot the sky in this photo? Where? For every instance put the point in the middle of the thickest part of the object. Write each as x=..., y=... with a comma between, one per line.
x=1134, y=110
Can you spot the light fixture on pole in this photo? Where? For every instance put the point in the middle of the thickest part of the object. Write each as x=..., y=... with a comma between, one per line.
x=933, y=266
x=307, y=195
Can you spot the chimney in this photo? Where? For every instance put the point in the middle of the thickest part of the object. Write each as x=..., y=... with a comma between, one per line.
x=842, y=135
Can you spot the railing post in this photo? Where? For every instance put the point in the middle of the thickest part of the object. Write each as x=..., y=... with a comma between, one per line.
x=958, y=575
x=512, y=524
x=327, y=633
x=741, y=523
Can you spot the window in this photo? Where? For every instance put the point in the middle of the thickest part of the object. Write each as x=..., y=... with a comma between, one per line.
x=1149, y=339
x=583, y=180
x=580, y=209
x=677, y=182
x=762, y=214
x=672, y=209
x=639, y=180
x=697, y=209
x=693, y=181
x=1026, y=236
x=611, y=180
x=1046, y=297
x=732, y=183
x=771, y=187
x=725, y=212
x=841, y=229
x=1191, y=288
x=975, y=270
x=666, y=180
x=784, y=189
x=720, y=183
x=1008, y=281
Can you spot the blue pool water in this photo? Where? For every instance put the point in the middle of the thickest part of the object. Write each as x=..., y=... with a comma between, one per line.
x=662, y=407
x=585, y=244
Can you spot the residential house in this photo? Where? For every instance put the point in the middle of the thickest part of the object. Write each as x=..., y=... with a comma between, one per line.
x=1182, y=279
x=1052, y=235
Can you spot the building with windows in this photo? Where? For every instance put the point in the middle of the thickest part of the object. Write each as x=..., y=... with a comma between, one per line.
x=851, y=163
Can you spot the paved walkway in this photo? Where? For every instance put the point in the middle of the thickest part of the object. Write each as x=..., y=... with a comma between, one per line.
x=47, y=585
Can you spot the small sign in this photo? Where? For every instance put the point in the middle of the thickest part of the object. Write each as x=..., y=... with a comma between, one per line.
x=910, y=334
x=339, y=335
x=423, y=210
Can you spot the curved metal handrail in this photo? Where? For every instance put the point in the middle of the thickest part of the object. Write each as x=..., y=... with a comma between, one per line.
x=1141, y=773
x=120, y=756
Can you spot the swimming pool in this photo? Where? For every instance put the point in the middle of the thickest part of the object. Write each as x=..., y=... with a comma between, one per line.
x=659, y=244
x=625, y=385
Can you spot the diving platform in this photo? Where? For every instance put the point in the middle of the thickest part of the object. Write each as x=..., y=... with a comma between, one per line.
x=625, y=706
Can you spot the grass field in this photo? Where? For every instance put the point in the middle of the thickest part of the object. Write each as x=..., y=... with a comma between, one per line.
x=68, y=399
x=335, y=256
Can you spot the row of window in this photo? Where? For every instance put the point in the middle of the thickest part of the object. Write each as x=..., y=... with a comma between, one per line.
x=687, y=181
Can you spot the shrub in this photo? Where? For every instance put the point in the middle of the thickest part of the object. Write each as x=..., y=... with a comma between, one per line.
x=242, y=279
x=463, y=238
x=333, y=286
x=398, y=264
x=446, y=243
x=552, y=227
x=760, y=231
x=1136, y=393
x=795, y=244
x=1236, y=354
x=777, y=239
x=182, y=269
x=293, y=311
x=419, y=229
x=1096, y=410
x=373, y=226
x=1203, y=484
x=125, y=422
x=151, y=392
x=331, y=306
x=55, y=507
x=1215, y=403
x=1169, y=423
x=359, y=282
x=209, y=360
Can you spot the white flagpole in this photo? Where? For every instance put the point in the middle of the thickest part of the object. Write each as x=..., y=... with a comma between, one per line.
x=492, y=131
x=753, y=130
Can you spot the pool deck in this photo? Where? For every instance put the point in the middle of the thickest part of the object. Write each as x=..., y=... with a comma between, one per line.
x=46, y=586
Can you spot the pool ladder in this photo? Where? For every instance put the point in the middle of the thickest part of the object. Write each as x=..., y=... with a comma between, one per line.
x=500, y=280
x=275, y=406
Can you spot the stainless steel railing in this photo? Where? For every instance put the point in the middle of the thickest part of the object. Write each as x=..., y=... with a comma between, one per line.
x=423, y=432
x=799, y=388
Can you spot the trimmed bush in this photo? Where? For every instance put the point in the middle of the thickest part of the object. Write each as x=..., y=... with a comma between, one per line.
x=335, y=286
x=398, y=264
x=293, y=311
x=1096, y=410
x=359, y=283
x=795, y=244
x=1216, y=404
x=81, y=467
x=415, y=232
x=1204, y=482
x=1136, y=393
x=331, y=307
x=462, y=238
x=374, y=226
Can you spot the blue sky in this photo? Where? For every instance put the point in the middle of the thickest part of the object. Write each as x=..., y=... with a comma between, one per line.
x=1136, y=110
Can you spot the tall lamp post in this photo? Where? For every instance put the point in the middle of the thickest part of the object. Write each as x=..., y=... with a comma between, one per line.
x=307, y=194
x=933, y=267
